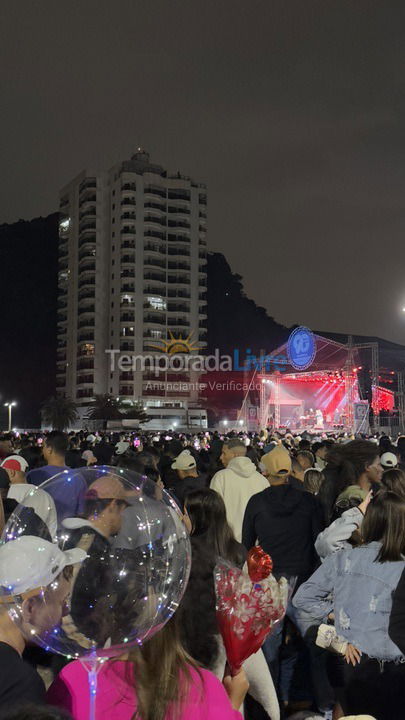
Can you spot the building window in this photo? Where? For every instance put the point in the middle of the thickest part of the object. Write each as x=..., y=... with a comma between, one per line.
x=157, y=303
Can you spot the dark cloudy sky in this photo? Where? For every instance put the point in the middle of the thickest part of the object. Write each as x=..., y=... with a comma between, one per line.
x=292, y=111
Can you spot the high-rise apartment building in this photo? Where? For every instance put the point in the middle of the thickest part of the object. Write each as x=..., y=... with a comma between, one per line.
x=132, y=273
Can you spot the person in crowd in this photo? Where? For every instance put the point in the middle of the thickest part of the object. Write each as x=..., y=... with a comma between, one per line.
x=401, y=451
x=357, y=585
x=104, y=451
x=157, y=681
x=122, y=445
x=188, y=477
x=43, y=520
x=389, y=460
x=54, y=449
x=345, y=531
x=354, y=463
x=212, y=538
x=6, y=446
x=105, y=501
x=313, y=479
x=45, y=566
x=237, y=483
x=320, y=450
x=394, y=480
x=297, y=474
x=104, y=504
x=73, y=456
x=88, y=456
x=285, y=522
x=305, y=459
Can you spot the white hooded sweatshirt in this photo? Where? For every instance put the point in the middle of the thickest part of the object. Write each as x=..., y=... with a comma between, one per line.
x=236, y=485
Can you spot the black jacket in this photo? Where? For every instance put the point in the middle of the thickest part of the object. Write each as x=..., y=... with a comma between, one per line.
x=286, y=522
x=181, y=488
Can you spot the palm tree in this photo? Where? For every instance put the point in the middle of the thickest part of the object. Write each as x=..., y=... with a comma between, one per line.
x=60, y=412
x=136, y=411
x=105, y=407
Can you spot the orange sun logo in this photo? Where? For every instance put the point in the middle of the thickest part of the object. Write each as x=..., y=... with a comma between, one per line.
x=175, y=345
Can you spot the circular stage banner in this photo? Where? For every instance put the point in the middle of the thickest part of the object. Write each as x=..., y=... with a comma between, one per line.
x=301, y=348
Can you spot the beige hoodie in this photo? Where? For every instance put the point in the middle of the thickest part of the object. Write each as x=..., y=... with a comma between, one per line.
x=236, y=485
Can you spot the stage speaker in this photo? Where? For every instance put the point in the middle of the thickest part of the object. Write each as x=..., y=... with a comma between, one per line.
x=364, y=382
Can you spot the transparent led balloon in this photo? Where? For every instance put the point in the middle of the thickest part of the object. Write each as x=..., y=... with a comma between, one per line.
x=135, y=569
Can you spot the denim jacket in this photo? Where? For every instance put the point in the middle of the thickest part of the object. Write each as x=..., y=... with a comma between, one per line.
x=359, y=590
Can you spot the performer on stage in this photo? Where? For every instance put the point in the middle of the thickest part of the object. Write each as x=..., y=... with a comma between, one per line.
x=319, y=419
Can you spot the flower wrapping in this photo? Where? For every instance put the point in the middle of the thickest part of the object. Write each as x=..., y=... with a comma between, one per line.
x=246, y=611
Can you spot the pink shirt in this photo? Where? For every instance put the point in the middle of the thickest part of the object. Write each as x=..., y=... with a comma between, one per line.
x=116, y=699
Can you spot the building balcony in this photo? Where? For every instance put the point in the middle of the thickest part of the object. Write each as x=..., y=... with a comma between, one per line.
x=174, y=323
x=128, y=202
x=178, y=280
x=178, y=238
x=154, y=291
x=182, y=251
x=128, y=259
x=151, y=205
x=174, y=293
x=155, y=277
x=153, y=191
x=179, y=209
x=172, y=265
x=84, y=365
x=154, y=320
x=155, y=234
x=128, y=245
x=128, y=287
x=87, y=266
x=87, y=282
x=180, y=224
x=87, y=240
x=178, y=194
x=84, y=295
x=154, y=248
x=178, y=308
x=126, y=317
x=154, y=262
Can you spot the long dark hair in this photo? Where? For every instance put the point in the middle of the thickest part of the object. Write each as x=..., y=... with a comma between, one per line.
x=351, y=461
x=211, y=537
x=385, y=522
x=394, y=480
x=207, y=513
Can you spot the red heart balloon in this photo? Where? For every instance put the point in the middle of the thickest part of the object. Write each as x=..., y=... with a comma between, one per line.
x=259, y=564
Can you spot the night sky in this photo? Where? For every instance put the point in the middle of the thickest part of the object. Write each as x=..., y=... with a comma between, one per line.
x=293, y=113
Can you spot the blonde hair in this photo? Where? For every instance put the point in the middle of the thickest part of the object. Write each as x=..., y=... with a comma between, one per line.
x=161, y=672
x=313, y=480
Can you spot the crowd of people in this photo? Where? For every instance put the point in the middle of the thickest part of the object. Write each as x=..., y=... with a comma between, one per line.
x=329, y=510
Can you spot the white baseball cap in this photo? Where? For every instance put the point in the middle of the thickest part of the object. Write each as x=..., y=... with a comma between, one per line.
x=184, y=461
x=121, y=447
x=31, y=563
x=14, y=462
x=389, y=460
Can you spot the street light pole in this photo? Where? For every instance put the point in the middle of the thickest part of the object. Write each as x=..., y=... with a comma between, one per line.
x=10, y=405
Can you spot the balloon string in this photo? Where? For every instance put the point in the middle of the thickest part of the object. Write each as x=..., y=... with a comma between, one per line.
x=92, y=666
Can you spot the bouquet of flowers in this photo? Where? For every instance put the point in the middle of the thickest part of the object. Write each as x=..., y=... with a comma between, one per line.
x=248, y=605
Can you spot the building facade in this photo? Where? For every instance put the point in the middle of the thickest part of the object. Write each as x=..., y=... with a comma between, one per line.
x=132, y=276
